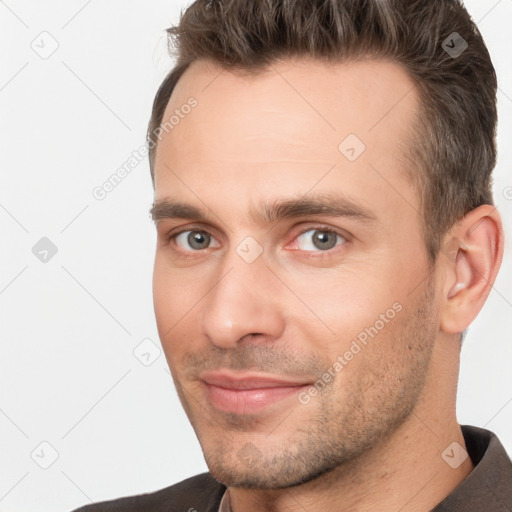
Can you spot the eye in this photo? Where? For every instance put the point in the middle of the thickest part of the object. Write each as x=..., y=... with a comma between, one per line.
x=195, y=240
x=318, y=240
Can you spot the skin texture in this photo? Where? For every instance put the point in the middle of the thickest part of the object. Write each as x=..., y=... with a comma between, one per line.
x=372, y=437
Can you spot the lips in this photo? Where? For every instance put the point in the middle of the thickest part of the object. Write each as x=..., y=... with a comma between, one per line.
x=248, y=393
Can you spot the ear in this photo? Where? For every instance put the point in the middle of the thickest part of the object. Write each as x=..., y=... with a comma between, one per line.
x=471, y=258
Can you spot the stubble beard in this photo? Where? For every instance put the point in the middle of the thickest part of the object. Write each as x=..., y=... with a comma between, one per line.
x=342, y=429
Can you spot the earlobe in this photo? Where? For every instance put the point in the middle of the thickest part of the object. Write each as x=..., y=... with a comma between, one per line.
x=477, y=242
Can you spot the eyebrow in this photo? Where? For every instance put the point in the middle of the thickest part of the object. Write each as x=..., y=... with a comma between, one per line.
x=326, y=204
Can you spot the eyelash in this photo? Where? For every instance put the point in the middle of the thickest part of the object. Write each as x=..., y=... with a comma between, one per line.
x=310, y=254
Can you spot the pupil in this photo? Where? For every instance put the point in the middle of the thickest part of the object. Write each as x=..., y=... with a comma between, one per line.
x=197, y=239
x=324, y=239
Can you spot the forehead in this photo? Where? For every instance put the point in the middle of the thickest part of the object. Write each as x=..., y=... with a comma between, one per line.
x=285, y=128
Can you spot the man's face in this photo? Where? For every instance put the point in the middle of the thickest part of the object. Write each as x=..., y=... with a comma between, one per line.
x=300, y=339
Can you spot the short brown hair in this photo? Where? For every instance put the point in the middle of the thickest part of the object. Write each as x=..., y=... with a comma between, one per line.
x=454, y=149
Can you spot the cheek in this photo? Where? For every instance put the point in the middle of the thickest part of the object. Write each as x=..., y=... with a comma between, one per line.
x=177, y=297
x=169, y=302
x=162, y=298
x=339, y=302
x=350, y=314
x=174, y=290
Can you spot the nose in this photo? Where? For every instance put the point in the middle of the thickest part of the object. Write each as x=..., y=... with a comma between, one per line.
x=242, y=302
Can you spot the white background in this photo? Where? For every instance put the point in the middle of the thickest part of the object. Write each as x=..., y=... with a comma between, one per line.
x=69, y=326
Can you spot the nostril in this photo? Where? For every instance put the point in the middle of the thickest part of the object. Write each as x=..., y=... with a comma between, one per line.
x=251, y=334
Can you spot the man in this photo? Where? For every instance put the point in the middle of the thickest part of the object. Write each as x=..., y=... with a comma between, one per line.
x=326, y=233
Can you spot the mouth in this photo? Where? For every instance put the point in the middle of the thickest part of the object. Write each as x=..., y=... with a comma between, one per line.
x=248, y=393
